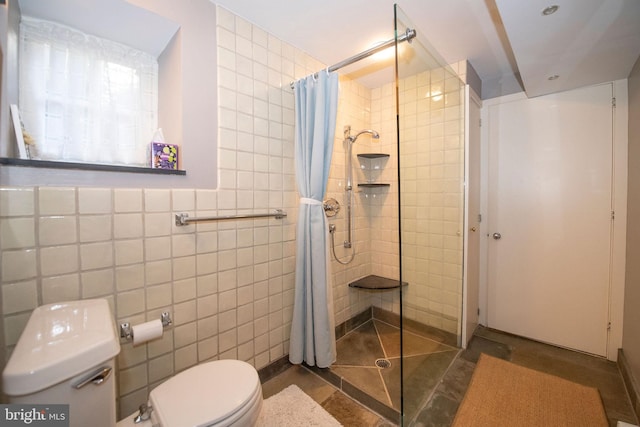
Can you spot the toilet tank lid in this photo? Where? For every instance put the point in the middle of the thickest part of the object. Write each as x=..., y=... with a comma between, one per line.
x=205, y=394
x=60, y=341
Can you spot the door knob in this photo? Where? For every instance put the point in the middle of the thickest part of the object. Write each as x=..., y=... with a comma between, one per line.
x=473, y=229
x=497, y=236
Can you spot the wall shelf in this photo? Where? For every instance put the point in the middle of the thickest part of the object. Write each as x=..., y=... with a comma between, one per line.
x=373, y=185
x=372, y=155
x=372, y=165
x=373, y=282
x=48, y=164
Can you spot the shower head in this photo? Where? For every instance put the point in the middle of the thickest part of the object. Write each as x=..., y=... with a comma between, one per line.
x=373, y=133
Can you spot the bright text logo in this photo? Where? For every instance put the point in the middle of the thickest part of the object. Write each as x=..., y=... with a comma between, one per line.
x=34, y=415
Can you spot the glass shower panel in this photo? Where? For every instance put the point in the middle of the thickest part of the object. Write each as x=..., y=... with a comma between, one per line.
x=430, y=114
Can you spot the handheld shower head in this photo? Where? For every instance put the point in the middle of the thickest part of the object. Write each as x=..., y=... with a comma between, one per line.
x=348, y=142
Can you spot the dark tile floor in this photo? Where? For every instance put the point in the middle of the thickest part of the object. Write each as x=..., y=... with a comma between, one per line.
x=346, y=410
x=377, y=386
x=437, y=376
x=425, y=362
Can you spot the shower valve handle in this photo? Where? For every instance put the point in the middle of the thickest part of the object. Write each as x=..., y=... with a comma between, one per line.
x=331, y=207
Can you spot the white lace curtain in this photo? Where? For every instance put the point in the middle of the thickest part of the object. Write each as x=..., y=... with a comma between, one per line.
x=86, y=99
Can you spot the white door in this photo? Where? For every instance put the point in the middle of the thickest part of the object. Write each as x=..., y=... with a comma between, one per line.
x=550, y=207
x=472, y=217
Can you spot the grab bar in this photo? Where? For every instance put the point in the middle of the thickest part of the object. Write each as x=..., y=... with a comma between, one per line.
x=183, y=218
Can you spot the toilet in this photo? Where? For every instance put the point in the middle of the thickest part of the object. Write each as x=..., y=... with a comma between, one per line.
x=219, y=393
x=66, y=355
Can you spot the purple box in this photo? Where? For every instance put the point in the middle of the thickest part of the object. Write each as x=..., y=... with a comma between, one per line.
x=164, y=156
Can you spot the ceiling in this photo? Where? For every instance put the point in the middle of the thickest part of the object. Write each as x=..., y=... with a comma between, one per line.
x=509, y=43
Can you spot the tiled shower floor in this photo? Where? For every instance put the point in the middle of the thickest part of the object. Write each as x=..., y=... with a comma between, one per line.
x=356, y=373
x=442, y=401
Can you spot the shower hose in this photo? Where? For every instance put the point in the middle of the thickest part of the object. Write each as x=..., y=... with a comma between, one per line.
x=332, y=230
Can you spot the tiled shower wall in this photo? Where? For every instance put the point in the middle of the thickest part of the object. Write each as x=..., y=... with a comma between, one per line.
x=381, y=203
x=432, y=168
x=273, y=133
x=432, y=150
x=353, y=110
x=432, y=159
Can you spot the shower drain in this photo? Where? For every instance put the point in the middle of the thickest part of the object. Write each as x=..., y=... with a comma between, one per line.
x=383, y=363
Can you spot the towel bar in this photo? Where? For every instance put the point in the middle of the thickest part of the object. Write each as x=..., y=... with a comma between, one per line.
x=183, y=218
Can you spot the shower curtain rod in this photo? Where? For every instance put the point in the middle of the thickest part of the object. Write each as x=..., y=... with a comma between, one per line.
x=408, y=35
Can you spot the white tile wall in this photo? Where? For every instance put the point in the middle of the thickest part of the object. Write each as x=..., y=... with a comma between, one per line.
x=17, y=202
x=57, y=201
x=354, y=110
x=432, y=201
x=432, y=168
x=229, y=285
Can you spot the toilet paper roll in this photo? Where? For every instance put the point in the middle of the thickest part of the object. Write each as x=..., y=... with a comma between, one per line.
x=147, y=331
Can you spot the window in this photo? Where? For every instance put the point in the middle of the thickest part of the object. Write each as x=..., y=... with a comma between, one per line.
x=86, y=99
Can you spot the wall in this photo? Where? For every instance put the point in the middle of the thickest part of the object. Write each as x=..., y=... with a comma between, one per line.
x=354, y=109
x=228, y=285
x=432, y=153
x=432, y=167
x=192, y=108
x=432, y=195
x=631, y=332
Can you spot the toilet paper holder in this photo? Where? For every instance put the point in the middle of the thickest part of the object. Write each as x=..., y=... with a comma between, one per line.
x=126, y=330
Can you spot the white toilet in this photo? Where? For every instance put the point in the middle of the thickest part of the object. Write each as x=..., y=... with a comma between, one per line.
x=219, y=393
x=66, y=354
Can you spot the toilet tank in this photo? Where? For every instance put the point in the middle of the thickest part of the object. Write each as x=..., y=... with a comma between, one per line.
x=66, y=355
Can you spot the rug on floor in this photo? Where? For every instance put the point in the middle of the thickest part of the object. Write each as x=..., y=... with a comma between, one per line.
x=293, y=408
x=502, y=393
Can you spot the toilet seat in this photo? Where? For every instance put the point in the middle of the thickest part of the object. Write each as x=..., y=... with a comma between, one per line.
x=245, y=416
x=221, y=392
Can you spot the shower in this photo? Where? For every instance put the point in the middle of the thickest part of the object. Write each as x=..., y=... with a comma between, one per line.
x=400, y=299
x=349, y=140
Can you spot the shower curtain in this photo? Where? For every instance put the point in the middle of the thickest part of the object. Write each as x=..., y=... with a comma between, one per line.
x=312, y=329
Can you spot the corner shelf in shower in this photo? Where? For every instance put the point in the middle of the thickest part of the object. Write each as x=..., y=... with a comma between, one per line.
x=369, y=157
x=373, y=282
x=373, y=185
x=372, y=155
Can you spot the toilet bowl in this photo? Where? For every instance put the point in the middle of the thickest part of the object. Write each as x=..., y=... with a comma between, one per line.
x=66, y=355
x=218, y=393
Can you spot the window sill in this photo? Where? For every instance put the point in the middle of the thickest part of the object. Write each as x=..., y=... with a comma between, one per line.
x=48, y=164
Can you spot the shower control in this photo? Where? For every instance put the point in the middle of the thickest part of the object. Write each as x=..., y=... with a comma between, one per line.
x=331, y=207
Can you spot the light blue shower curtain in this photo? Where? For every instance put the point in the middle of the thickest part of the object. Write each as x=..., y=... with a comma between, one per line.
x=312, y=329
